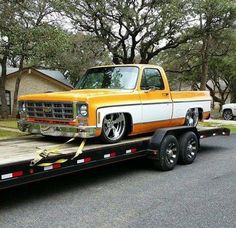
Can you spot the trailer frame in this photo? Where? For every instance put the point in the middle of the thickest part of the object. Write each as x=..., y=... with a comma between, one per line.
x=21, y=172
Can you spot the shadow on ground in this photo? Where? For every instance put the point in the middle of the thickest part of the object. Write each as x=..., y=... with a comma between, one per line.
x=82, y=179
x=79, y=180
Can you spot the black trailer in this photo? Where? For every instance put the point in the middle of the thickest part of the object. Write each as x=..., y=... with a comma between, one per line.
x=34, y=158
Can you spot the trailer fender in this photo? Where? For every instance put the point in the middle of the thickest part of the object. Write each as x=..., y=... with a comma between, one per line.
x=157, y=138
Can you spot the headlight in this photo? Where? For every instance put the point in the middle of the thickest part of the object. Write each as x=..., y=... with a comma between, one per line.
x=83, y=110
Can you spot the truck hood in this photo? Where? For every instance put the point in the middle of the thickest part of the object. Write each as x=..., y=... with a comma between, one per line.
x=73, y=95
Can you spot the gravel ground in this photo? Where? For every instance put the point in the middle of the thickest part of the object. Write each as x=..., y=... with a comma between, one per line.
x=132, y=194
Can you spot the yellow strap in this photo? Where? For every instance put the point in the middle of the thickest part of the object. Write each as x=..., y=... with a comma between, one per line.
x=56, y=162
x=80, y=149
x=44, y=152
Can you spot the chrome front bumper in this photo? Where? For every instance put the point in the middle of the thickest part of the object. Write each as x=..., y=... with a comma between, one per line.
x=57, y=130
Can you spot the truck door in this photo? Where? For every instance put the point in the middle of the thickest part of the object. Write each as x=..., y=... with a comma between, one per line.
x=155, y=98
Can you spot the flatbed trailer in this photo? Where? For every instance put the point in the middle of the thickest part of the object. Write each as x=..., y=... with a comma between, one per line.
x=20, y=164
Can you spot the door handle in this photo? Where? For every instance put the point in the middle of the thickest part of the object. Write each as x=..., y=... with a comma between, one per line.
x=165, y=94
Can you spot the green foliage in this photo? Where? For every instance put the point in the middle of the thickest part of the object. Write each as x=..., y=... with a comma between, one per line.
x=212, y=45
x=81, y=52
x=130, y=28
x=192, y=39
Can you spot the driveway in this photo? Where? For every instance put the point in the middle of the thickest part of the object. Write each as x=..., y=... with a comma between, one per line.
x=132, y=194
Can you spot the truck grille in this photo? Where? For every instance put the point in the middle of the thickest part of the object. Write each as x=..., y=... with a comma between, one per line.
x=52, y=110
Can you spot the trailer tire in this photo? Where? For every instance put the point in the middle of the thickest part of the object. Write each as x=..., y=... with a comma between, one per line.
x=168, y=154
x=188, y=148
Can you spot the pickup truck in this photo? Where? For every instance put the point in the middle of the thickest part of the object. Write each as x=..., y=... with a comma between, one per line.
x=112, y=102
x=229, y=111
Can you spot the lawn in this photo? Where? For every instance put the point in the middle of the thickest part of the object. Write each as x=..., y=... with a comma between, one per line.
x=9, y=123
x=231, y=127
x=10, y=134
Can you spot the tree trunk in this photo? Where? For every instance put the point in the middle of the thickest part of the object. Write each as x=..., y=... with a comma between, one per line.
x=205, y=62
x=233, y=92
x=17, y=86
x=4, y=108
x=204, y=54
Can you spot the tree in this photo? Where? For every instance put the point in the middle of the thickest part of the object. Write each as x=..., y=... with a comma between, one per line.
x=30, y=30
x=81, y=52
x=130, y=28
x=215, y=16
x=6, y=23
x=184, y=64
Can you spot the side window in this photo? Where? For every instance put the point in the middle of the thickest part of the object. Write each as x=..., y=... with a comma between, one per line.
x=152, y=79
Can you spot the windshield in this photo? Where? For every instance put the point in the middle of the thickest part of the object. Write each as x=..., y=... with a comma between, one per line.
x=109, y=78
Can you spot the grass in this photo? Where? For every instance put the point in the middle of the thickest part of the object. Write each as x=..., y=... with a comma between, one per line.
x=231, y=127
x=9, y=123
x=10, y=134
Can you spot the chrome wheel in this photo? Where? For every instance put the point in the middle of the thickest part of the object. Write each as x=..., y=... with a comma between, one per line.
x=192, y=117
x=171, y=153
x=168, y=154
x=191, y=148
x=113, y=127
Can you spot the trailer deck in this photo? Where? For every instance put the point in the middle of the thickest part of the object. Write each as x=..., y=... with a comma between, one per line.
x=16, y=155
x=24, y=149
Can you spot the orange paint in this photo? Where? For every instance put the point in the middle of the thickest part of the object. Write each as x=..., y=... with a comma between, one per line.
x=105, y=98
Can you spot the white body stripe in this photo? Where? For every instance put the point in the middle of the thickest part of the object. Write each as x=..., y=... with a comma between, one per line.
x=155, y=112
x=134, y=110
x=6, y=176
x=181, y=108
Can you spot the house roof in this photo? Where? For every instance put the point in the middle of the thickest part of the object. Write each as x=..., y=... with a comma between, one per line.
x=54, y=74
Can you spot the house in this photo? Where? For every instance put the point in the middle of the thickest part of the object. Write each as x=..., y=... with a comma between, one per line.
x=34, y=81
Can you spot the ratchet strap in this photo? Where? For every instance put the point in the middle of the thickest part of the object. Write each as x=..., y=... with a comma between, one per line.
x=43, y=153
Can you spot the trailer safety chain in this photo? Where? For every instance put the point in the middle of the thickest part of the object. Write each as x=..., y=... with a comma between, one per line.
x=43, y=153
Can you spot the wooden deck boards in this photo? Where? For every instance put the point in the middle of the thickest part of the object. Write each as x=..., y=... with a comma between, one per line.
x=24, y=149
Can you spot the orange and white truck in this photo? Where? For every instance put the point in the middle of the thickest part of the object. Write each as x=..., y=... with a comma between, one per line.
x=112, y=102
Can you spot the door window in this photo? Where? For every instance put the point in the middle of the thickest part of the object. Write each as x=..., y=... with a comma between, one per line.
x=152, y=79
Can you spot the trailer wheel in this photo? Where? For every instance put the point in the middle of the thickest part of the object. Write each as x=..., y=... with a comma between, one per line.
x=168, y=154
x=188, y=147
